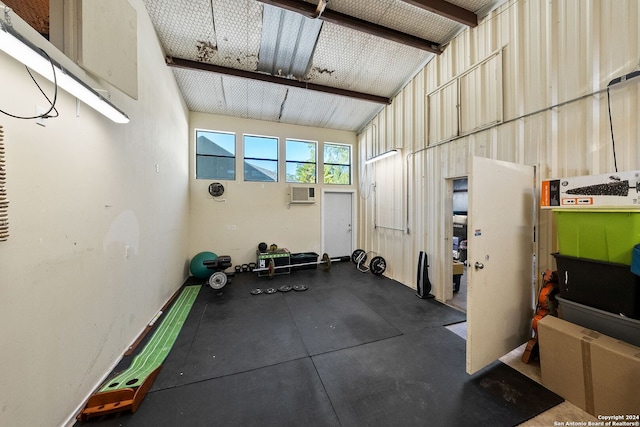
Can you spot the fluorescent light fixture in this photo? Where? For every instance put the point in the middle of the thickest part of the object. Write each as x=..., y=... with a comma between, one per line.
x=625, y=78
x=33, y=57
x=382, y=156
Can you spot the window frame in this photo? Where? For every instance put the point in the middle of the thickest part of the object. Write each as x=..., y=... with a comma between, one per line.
x=314, y=162
x=234, y=156
x=349, y=165
x=276, y=161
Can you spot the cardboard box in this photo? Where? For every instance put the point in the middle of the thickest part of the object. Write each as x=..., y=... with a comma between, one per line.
x=616, y=190
x=561, y=358
x=458, y=268
x=615, y=376
x=592, y=371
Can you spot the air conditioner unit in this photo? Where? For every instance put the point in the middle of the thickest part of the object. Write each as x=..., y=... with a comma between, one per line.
x=301, y=194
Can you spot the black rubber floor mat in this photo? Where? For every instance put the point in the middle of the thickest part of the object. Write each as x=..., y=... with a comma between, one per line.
x=356, y=349
x=419, y=379
x=334, y=318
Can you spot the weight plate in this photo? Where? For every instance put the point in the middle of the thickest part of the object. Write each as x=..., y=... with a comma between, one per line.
x=256, y=291
x=218, y=280
x=270, y=291
x=358, y=256
x=326, y=261
x=285, y=288
x=378, y=265
x=300, y=288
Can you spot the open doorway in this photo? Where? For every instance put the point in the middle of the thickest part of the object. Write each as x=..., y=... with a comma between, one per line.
x=459, y=211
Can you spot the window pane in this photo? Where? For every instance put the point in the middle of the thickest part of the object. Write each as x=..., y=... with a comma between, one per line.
x=337, y=164
x=337, y=174
x=301, y=172
x=337, y=154
x=301, y=151
x=215, y=143
x=260, y=158
x=212, y=167
x=259, y=147
x=215, y=155
x=261, y=170
x=301, y=161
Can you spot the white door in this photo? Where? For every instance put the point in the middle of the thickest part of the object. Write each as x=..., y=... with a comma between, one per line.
x=337, y=214
x=500, y=251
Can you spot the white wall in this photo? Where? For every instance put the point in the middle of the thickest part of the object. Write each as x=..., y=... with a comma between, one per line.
x=82, y=189
x=556, y=58
x=255, y=212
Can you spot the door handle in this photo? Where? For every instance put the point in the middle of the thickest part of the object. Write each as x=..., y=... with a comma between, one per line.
x=478, y=265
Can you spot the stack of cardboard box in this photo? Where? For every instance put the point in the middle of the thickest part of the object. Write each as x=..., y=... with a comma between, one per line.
x=595, y=372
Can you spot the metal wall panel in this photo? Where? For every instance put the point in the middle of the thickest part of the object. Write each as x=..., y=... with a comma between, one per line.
x=443, y=111
x=557, y=59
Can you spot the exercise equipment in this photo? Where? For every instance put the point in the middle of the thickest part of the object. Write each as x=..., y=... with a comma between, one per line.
x=197, y=267
x=358, y=256
x=377, y=266
x=218, y=280
x=423, y=287
x=279, y=256
x=283, y=288
x=262, y=247
x=325, y=261
x=127, y=390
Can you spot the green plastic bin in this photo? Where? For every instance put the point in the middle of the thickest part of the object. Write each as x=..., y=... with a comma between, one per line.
x=603, y=235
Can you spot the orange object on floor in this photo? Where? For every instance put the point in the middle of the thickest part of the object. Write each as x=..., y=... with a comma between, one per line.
x=110, y=402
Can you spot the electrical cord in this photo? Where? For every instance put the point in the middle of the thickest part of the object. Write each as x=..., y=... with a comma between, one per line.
x=52, y=104
x=613, y=141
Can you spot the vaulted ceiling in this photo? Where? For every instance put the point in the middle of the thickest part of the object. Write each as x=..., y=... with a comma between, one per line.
x=331, y=64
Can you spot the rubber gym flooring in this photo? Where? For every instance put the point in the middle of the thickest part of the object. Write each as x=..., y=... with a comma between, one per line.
x=353, y=350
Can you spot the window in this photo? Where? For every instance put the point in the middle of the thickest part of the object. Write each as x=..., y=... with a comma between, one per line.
x=260, y=158
x=215, y=155
x=337, y=164
x=301, y=161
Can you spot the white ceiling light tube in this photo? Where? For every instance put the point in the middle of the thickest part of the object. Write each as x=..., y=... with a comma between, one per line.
x=381, y=156
x=33, y=57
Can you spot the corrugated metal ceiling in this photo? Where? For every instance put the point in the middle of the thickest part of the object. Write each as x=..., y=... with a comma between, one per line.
x=266, y=40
